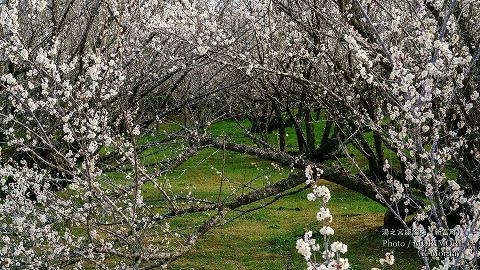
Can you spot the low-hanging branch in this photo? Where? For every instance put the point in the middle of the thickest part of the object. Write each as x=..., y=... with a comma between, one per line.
x=330, y=173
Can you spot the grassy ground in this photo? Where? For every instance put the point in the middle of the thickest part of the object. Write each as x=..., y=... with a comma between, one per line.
x=265, y=239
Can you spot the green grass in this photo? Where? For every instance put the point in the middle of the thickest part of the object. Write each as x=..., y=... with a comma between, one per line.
x=265, y=239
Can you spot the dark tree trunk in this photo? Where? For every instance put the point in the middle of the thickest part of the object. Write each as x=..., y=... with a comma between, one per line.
x=379, y=152
x=327, y=145
x=281, y=126
x=298, y=131
x=310, y=132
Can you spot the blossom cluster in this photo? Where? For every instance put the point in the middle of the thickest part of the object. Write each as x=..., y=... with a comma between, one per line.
x=331, y=255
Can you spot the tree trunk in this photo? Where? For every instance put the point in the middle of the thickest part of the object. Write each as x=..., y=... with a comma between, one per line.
x=298, y=131
x=281, y=126
x=310, y=132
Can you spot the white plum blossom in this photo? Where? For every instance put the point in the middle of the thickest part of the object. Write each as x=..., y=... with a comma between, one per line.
x=338, y=247
x=340, y=264
x=305, y=245
x=322, y=192
x=324, y=215
x=326, y=231
x=389, y=259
